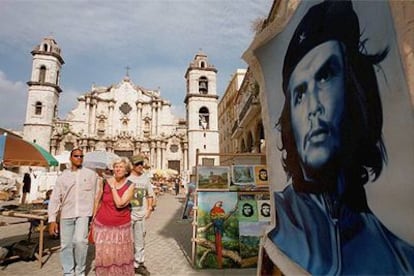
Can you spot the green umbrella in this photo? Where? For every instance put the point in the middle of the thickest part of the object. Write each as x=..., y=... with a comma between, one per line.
x=49, y=158
x=15, y=151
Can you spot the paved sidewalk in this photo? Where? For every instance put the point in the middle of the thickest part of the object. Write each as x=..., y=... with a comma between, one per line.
x=168, y=246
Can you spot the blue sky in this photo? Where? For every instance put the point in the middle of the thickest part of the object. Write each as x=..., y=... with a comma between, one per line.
x=156, y=39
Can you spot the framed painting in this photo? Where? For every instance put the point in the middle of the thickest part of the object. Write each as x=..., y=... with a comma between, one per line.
x=211, y=178
x=261, y=176
x=242, y=177
x=217, y=237
x=264, y=210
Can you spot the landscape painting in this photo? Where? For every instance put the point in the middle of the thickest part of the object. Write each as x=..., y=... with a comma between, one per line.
x=210, y=178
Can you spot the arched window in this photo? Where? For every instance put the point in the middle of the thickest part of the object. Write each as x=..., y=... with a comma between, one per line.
x=146, y=125
x=38, y=108
x=202, y=64
x=42, y=74
x=203, y=85
x=101, y=127
x=45, y=47
x=204, y=118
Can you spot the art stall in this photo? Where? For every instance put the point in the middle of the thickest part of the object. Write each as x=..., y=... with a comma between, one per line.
x=231, y=212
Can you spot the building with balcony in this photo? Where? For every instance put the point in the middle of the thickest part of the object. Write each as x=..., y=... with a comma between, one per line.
x=240, y=120
x=227, y=112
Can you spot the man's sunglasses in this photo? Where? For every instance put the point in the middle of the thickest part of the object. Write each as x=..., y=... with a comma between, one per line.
x=139, y=164
x=77, y=156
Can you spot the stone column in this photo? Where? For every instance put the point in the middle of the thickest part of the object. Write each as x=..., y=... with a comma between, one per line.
x=110, y=118
x=139, y=119
x=88, y=112
x=159, y=165
x=163, y=149
x=185, y=156
x=152, y=131
x=152, y=154
x=157, y=114
x=93, y=119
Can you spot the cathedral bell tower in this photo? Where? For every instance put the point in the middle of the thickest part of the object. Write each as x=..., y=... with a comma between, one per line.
x=43, y=95
x=201, y=105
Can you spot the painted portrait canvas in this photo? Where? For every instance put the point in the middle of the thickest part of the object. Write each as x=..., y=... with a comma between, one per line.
x=339, y=139
x=261, y=176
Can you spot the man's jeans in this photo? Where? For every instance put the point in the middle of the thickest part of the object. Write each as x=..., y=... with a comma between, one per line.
x=138, y=230
x=74, y=245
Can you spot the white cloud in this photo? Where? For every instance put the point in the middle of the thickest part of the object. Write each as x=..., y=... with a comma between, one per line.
x=13, y=100
x=67, y=101
x=157, y=39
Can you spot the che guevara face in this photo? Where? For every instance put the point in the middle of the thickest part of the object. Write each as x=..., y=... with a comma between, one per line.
x=317, y=103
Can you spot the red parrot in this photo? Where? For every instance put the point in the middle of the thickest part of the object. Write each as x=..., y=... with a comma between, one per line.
x=217, y=215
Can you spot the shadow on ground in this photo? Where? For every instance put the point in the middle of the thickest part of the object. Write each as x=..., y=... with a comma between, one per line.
x=21, y=248
x=181, y=230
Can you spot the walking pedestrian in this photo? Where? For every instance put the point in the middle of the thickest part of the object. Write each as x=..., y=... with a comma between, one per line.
x=141, y=204
x=112, y=223
x=73, y=196
x=177, y=186
x=27, y=183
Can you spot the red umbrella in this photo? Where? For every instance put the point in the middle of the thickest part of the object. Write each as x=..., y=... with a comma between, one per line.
x=15, y=151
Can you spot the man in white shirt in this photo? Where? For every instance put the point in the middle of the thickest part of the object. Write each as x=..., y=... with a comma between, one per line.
x=74, y=195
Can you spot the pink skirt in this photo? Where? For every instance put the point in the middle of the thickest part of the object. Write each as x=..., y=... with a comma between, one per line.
x=114, y=250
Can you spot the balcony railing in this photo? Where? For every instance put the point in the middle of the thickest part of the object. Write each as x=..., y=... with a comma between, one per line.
x=235, y=126
x=251, y=101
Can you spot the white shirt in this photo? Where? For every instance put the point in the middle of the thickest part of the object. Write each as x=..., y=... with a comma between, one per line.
x=77, y=191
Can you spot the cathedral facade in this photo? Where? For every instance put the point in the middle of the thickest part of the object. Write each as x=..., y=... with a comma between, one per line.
x=123, y=118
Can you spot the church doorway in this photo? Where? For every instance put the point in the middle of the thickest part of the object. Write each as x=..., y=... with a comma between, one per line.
x=174, y=164
x=124, y=153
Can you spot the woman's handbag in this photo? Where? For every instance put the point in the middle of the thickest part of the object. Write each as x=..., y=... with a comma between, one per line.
x=91, y=233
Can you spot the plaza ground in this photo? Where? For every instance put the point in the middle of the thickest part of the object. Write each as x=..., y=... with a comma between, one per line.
x=168, y=245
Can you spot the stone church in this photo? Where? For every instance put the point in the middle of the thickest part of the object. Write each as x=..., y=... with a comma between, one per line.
x=123, y=118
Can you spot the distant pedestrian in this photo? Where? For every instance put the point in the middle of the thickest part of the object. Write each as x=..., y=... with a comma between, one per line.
x=177, y=186
x=27, y=183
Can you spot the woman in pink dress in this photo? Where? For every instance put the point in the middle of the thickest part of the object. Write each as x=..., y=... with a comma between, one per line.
x=112, y=224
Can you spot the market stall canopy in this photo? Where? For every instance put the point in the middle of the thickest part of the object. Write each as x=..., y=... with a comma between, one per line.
x=164, y=172
x=15, y=151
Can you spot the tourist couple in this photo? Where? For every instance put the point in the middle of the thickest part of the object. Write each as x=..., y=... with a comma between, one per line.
x=115, y=202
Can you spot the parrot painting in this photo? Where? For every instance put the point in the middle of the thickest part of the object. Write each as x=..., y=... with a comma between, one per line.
x=217, y=215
